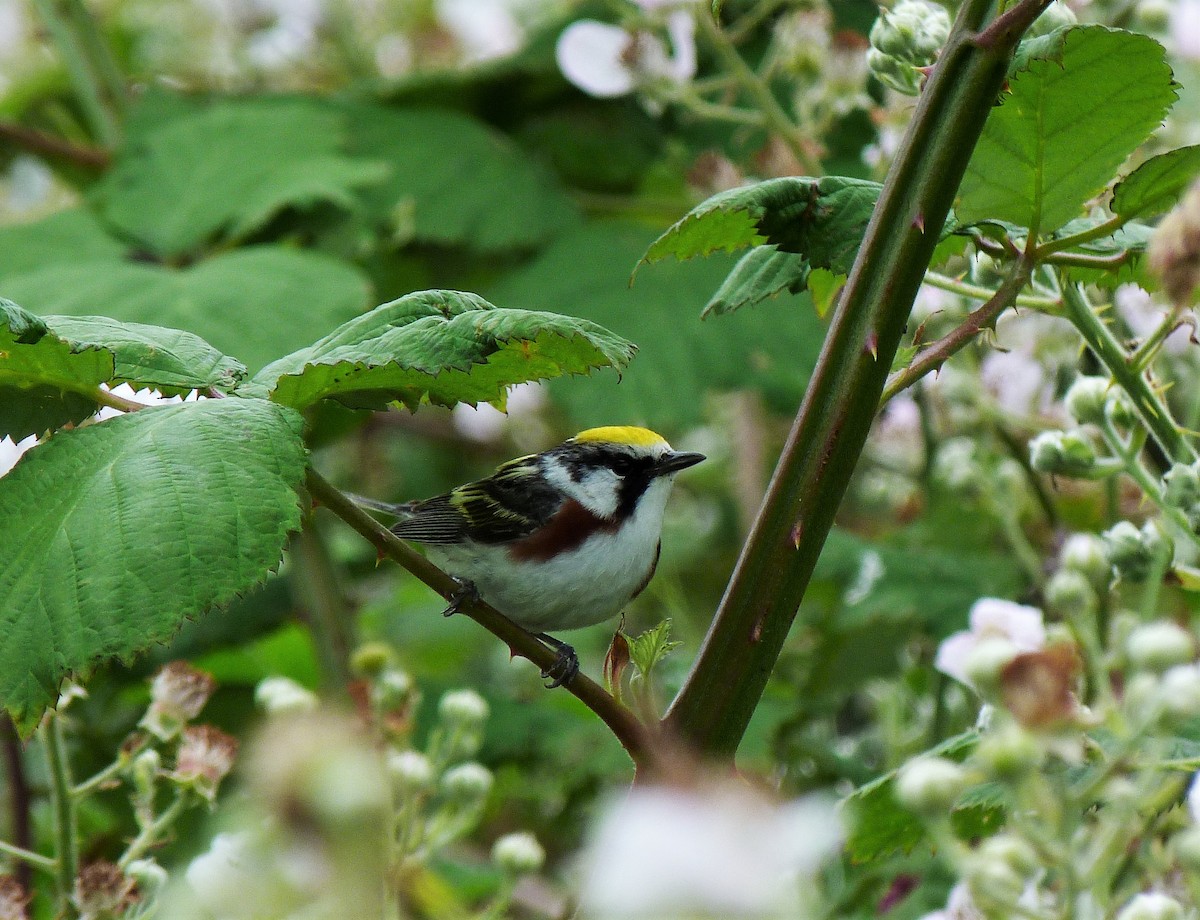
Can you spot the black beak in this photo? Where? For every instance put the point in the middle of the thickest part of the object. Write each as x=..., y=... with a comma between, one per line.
x=676, y=460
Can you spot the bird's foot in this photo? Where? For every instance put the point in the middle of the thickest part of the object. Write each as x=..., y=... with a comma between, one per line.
x=566, y=662
x=464, y=592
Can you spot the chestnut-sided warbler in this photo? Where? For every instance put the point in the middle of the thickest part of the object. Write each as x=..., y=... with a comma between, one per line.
x=557, y=540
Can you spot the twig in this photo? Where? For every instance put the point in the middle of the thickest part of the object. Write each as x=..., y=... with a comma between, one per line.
x=18, y=798
x=55, y=148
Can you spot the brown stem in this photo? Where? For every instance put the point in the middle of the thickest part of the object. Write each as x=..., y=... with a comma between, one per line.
x=18, y=800
x=936, y=354
x=634, y=736
x=53, y=148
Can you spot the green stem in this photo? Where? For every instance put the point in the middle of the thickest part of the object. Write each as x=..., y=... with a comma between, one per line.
x=727, y=680
x=1148, y=350
x=96, y=780
x=777, y=119
x=1099, y=232
x=153, y=831
x=328, y=614
x=1108, y=350
x=59, y=19
x=28, y=856
x=62, y=807
x=637, y=739
x=104, y=64
x=1043, y=304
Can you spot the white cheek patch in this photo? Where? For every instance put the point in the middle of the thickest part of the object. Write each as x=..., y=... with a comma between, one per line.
x=598, y=488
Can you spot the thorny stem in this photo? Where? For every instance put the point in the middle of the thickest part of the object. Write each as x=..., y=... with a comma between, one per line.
x=1108, y=350
x=62, y=807
x=984, y=317
x=779, y=120
x=636, y=738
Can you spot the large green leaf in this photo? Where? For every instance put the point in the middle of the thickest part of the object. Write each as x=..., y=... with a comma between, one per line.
x=45, y=381
x=1157, y=184
x=73, y=235
x=50, y=367
x=455, y=181
x=132, y=525
x=762, y=273
x=1087, y=99
x=226, y=169
x=256, y=303
x=680, y=360
x=822, y=219
x=442, y=346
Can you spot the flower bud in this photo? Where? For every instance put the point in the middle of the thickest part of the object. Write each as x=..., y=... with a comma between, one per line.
x=518, y=854
x=1181, y=486
x=899, y=75
x=1069, y=593
x=1132, y=551
x=1067, y=453
x=277, y=695
x=177, y=694
x=986, y=271
x=370, y=658
x=467, y=783
x=912, y=31
x=1084, y=553
x=148, y=875
x=1011, y=851
x=1186, y=845
x=14, y=899
x=1120, y=410
x=410, y=772
x=1086, y=399
x=1153, y=15
x=1151, y=905
x=1057, y=16
x=103, y=890
x=1180, y=691
x=205, y=758
x=144, y=772
x=1157, y=646
x=463, y=710
x=1174, y=251
x=985, y=662
x=930, y=786
x=1009, y=752
x=392, y=689
x=956, y=466
x=992, y=882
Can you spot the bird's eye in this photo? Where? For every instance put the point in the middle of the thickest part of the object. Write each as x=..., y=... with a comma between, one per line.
x=622, y=466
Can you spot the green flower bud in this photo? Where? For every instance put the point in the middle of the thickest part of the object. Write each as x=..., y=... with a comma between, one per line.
x=370, y=659
x=1132, y=550
x=1157, y=646
x=1086, y=399
x=992, y=882
x=463, y=710
x=1011, y=851
x=392, y=689
x=1120, y=410
x=1084, y=553
x=986, y=271
x=1181, y=486
x=149, y=876
x=518, y=854
x=1151, y=905
x=410, y=772
x=1009, y=753
x=144, y=771
x=1180, y=691
x=1068, y=453
x=912, y=31
x=1070, y=593
x=1057, y=16
x=1186, y=845
x=985, y=662
x=930, y=786
x=904, y=78
x=467, y=783
x=277, y=695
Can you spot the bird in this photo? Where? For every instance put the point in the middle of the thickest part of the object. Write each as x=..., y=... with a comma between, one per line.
x=556, y=540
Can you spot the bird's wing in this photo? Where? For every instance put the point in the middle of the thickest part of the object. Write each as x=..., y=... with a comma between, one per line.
x=485, y=511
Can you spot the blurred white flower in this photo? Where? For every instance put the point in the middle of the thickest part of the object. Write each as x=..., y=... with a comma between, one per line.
x=484, y=29
x=718, y=851
x=13, y=29
x=1015, y=379
x=881, y=152
x=11, y=452
x=991, y=619
x=1185, y=28
x=959, y=906
x=1143, y=315
x=1193, y=799
x=290, y=37
x=607, y=61
x=486, y=423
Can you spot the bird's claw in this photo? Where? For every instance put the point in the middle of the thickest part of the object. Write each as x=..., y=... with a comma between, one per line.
x=464, y=592
x=565, y=666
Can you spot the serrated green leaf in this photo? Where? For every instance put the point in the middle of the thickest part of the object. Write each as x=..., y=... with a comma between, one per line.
x=225, y=170
x=256, y=303
x=822, y=219
x=680, y=361
x=1070, y=119
x=444, y=347
x=1157, y=184
x=73, y=235
x=45, y=382
x=651, y=647
x=761, y=274
x=132, y=525
x=510, y=202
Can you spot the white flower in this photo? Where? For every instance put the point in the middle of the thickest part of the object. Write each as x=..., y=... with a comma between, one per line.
x=1015, y=379
x=719, y=851
x=11, y=452
x=607, y=61
x=485, y=423
x=484, y=29
x=991, y=619
x=1193, y=799
x=1143, y=315
x=1185, y=28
